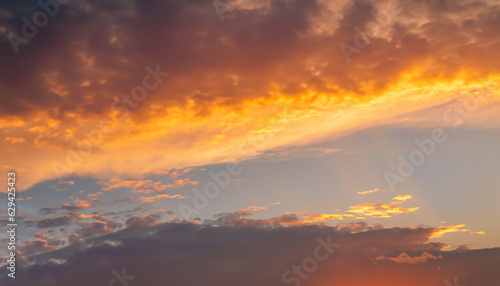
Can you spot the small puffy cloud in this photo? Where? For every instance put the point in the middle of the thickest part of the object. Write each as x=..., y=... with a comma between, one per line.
x=65, y=219
x=405, y=258
x=369, y=191
x=402, y=198
x=144, y=221
x=161, y=196
x=41, y=243
x=47, y=209
x=38, y=245
x=256, y=208
x=79, y=204
x=94, y=228
x=449, y=229
x=380, y=210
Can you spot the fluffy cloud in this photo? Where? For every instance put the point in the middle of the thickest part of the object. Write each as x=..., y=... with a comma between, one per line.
x=141, y=221
x=284, y=44
x=55, y=221
x=94, y=228
x=41, y=243
x=79, y=204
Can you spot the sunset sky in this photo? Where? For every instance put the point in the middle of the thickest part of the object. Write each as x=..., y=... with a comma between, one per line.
x=218, y=141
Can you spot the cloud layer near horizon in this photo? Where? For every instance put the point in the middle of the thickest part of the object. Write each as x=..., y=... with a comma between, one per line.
x=183, y=253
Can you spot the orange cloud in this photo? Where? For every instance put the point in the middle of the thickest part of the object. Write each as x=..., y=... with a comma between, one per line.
x=256, y=208
x=402, y=198
x=14, y=140
x=449, y=229
x=322, y=218
x=39, y=245
x=82, y=204
x=405, y=258
x=94, y=228
x=380, y=210
x=118, y=183
x=369, y=191
x=357, y=212
x=161, y=196
x=288, y=219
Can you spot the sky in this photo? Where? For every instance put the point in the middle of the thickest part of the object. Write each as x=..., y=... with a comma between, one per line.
x=232, y=139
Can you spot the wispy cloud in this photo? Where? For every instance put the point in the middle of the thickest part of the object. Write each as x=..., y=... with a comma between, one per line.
x=369, y=191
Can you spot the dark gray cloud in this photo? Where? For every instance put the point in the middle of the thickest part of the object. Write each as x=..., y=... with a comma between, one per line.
x=109, y=44
x=190, y=254
x=94, y=228
x=55, y=221
x=46, y=209
x=141, y=221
